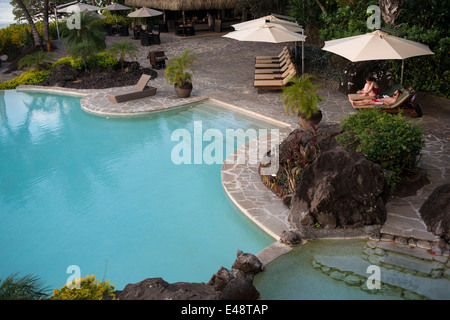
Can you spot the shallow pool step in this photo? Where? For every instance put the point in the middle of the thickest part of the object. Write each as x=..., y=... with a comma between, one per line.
x=406, y=258
x=355, y=271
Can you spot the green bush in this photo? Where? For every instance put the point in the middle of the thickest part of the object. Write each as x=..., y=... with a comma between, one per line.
x=103, y=59
x=389, y=140
x=75, y=63
x=89, y=289
x=31, y=77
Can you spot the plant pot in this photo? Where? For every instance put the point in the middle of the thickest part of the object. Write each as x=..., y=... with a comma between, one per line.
x=312, y=121
x=183, y=91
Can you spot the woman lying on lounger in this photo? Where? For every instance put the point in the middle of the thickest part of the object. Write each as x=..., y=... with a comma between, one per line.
x=378, y=102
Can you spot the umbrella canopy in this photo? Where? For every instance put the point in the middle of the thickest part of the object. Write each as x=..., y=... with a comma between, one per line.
x=291, y=26
x=116, y=6
x=78, y=7
x=266, y=33
x=376, y=45
x=144, y=12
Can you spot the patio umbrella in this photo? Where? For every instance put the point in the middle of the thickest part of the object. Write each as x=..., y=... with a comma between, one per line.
x=144, y=12
x=376, y=45
x=291, y=26
x=116, y=6
x=78, y=7
x=260, y=30
x=267, y=32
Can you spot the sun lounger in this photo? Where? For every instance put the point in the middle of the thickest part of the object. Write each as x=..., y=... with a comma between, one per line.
x=274, y=70
x=277, y=84
x=140, y=90
x=275, y=76
x=404, y=103
x=389, y=92
x=285, y=49
x=266, y=64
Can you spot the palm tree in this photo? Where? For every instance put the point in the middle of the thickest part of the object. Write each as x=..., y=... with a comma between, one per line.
x=35, y=59
x=28, y=287
x=88, y=39
x=178, y=67
x=36, y=36
x=300, y=96
x=124, y=48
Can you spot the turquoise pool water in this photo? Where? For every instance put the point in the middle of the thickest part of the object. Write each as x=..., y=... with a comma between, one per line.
x=103, y=194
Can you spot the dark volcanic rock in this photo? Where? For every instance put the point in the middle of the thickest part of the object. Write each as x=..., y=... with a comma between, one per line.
x=247, y=263
x=240, y=288
x=339, y=189
x=158, y=289
x=435, y=212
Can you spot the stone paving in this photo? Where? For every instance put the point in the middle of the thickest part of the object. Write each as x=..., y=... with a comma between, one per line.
x=225, y=73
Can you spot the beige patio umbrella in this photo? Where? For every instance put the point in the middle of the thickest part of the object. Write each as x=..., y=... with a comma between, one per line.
x=78, y=7
x=267, y=32
x=376, y=45
x=291, y=26
x=144, y=12
x=116, y=7
x=263, y=31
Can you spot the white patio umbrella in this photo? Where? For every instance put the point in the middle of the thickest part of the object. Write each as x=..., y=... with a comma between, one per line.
x=144, y=12
x=376, y=45
x=267, y=32
x=116, y=7
x=263, y=31
x=78, y=7
x=291, y=26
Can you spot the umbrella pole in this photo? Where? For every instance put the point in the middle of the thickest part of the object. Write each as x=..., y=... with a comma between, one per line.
x=303, y=54
x=403, y=66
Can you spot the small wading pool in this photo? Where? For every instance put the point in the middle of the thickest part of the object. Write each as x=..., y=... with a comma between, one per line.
x=103, y=194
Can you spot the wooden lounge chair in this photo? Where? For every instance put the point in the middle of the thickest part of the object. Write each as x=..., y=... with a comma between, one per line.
x=389, y=92
x=276, y=84
x=274, y=70
x=277, y=64
x=275, y=76
x=140, y=90
x=280, y=55
x=404, y=103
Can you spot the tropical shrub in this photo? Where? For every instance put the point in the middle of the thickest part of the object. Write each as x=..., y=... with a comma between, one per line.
x=123, y=49
x=177, y=71
x=31, y=77
x=389, y=140
x=36, y=59
x=104, y=60
x=75, y=63
x=89, y=289
x=28, y=287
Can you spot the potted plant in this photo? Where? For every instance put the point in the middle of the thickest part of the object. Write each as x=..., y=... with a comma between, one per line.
x=300, y=96
x=178, y=75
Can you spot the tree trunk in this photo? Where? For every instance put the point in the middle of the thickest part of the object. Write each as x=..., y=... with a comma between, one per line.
x=46, y=32
x=321, y=6
x=37, y=37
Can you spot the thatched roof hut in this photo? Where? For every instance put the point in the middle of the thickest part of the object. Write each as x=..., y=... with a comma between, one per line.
x=185, y=5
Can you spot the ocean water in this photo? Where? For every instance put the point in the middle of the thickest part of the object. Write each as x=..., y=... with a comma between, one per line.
x=103, y=194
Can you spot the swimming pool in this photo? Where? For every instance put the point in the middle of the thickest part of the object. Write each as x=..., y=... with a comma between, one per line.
x=103, y=193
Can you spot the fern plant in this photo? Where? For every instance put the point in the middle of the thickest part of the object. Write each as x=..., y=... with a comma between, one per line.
x=35, y=59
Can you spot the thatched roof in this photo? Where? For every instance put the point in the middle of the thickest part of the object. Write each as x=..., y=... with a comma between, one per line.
x=183, y=4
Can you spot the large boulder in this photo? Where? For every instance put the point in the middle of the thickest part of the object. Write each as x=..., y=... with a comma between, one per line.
x=247, y=263
x=240, y=288
x=61, y=75
x=340, y=189
x=435, y=212
x=158, y=289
